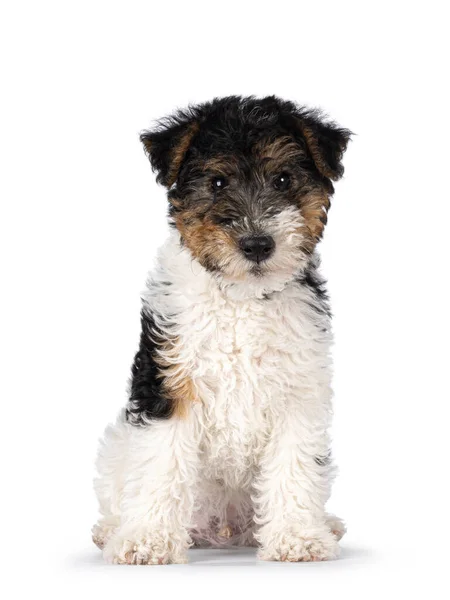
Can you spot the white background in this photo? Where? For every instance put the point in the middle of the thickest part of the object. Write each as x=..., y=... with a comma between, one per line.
x=82, y=218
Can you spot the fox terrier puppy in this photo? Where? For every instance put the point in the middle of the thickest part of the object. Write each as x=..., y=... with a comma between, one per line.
x=223, y=441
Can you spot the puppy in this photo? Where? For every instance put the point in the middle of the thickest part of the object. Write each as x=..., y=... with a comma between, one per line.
x=223, y=441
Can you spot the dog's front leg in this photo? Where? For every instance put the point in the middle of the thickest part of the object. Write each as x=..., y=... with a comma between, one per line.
x=154, y=491
x=293, y=486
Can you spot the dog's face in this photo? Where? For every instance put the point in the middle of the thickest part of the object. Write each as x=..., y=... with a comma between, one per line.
x=249, y=183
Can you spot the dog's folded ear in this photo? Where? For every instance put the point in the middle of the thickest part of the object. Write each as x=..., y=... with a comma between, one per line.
x=326, y=143
x=167, y=144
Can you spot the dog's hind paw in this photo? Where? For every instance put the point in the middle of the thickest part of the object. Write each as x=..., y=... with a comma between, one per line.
x=101, y=532
x=337, y=526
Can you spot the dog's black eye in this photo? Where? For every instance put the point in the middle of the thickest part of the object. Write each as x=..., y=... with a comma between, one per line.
x=218, y=183
x=225, y=221
x=282, y=182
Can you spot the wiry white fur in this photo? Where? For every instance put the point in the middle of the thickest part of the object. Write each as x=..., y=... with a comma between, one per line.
x=240, y=468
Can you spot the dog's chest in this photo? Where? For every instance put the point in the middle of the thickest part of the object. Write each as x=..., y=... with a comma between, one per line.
x=248, y=357
x=244, y=356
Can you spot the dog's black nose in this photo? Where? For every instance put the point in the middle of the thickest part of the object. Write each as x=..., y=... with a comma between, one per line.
x=258, y=247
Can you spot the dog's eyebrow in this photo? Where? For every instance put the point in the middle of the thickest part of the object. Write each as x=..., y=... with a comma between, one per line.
x=221, y=165
x=279, y=149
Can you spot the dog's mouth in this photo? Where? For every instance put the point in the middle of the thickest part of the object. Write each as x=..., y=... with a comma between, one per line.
x=258, y=271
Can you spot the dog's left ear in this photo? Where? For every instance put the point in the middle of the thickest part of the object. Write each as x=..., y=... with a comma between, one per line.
x=326, y=143
x=166, y=146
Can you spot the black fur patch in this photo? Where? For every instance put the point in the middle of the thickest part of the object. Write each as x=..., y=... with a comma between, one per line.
x=323, y=461
x=317, y=285
x=147, y=400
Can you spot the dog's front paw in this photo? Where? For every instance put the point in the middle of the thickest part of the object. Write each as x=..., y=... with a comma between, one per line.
x=297, y=545
x=150, y=548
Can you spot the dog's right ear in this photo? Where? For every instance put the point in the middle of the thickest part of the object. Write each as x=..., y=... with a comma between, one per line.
x=167, y=144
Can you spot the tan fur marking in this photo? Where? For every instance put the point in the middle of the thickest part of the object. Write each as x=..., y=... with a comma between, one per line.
x=281, y=148
x=177, y=384
x=316, y=153
x=314, y=207
x=207, y=242
x=182, y=391
x=275, y=154
x=179, y=153
x=226, y=532
x=221, y=165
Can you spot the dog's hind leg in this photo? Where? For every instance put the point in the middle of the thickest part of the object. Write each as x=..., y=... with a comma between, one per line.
x=109, y=483
x=146, y=489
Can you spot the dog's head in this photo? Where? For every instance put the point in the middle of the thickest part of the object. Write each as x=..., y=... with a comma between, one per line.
x=249, y=182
